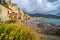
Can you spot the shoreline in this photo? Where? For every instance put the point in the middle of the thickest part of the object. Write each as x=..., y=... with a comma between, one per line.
x=43, y=36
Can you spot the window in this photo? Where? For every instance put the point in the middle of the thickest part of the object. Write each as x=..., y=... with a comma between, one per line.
x=8, y=12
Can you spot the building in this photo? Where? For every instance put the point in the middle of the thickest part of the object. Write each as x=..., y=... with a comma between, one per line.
x=10, y=11
x=4, y=11
x=22, y=15
x=15, y=12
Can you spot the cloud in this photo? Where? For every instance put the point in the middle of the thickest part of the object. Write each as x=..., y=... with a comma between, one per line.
x=39, y=6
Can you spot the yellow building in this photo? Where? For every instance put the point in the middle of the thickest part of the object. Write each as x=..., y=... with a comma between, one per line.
x=4, y=12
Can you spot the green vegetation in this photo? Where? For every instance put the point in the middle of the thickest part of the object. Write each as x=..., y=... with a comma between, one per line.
x=15, y=32
x=45, y=16
x=10, y=21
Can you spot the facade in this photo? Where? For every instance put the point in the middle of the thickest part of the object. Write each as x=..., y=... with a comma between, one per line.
x=22, y=15
x=15, y=12
x=4, y=12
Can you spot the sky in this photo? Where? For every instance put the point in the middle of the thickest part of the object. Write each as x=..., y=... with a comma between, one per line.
x=39, y=6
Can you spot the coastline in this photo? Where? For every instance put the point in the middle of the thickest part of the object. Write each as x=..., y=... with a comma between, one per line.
x=41, y=36
x=35, y=29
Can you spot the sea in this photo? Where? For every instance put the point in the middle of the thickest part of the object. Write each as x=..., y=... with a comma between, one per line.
x=34, y=22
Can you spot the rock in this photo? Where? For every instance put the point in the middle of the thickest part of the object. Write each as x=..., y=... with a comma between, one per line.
x=49, y=28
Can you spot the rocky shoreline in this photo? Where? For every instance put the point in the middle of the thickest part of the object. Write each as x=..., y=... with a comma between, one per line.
x=46, y=31
x=49, y=28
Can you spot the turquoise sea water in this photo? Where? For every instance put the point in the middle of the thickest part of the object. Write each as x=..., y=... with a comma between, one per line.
x=55, y=21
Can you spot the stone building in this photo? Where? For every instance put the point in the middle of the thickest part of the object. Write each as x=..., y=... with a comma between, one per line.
x=17, y=14
x=4, y=11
